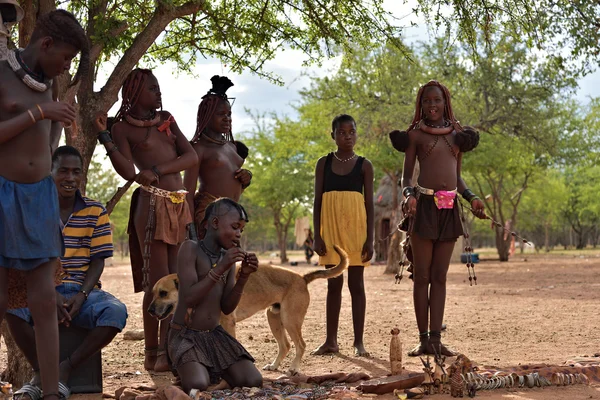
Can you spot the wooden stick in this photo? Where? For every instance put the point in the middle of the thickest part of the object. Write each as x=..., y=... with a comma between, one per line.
x=110, y=205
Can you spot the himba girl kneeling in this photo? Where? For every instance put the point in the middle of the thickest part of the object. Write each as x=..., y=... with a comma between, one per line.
x=202, y=351
x=152, y=142
x=438, y=141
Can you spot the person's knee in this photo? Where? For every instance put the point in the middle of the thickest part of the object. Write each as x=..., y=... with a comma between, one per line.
x=254, y=379
x=439, y=279
x=420, y=278
x=115, y=313
x=41, y=296
x=251, y=378
x=194, y=382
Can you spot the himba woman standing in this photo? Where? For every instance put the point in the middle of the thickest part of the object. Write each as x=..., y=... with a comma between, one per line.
x=151, y=141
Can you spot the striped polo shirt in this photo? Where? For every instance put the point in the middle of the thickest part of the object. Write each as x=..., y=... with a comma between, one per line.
x=87, y=235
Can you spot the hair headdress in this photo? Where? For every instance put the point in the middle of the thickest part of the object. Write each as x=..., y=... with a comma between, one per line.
x=209, y=104
x=467, y=138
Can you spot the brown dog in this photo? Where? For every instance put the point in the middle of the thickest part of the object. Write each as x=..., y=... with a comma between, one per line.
x=282, y=292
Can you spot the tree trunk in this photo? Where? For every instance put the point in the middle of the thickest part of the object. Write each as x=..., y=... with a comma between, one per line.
x=394, y=252
x=502, y=244
x=283, y=248
x=281, y=234
x=581, y=240
x=547, y=237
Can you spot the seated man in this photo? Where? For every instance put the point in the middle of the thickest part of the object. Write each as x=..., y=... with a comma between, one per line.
x=80, y=301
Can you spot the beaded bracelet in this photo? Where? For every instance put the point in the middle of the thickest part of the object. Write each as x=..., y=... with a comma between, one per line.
x=408, y=191
x=214, y=276
x=112, y=150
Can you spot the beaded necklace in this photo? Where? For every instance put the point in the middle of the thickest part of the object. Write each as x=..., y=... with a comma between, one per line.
x=31, y=79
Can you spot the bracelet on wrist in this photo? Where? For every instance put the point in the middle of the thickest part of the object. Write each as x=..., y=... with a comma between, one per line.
x=31, y=116
x=84, y=293
x=104, y=137
x=473, y=199
x=112, y=150
x=156, y=172
x=408, y=191
x=468, y=195
x=41, y=111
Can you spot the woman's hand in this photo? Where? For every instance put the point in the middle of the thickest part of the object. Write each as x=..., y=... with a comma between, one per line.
x=367, y=251
x=100, y=122
x=411, y=206
x=146, y=177
x=478, y=209
x=319, y=246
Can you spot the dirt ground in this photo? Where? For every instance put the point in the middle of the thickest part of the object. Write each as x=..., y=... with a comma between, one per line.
x=540, y=310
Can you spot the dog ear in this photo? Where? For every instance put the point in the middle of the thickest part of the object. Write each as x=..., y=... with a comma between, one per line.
x=176, y=282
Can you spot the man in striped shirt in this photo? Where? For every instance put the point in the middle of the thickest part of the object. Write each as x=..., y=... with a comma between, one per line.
x=80, y=300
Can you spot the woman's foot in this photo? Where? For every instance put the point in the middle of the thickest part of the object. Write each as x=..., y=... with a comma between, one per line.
x=440, y=350
x=418, y=350
x=150, y=359
x=422, y=347
x=326, y=348
x=359, y=350
x=436, y=347
x=162, y=362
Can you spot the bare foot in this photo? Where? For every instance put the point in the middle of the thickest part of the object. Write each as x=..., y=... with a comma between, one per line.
x=440, y=349
x=150, y=359
x=162, y=363
x=418, y=350
x=325, y=348
x=359, y=351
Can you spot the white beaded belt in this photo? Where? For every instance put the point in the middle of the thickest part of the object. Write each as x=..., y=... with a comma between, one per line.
x=175, y=197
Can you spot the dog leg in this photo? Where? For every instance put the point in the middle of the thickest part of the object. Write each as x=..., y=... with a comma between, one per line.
x=282, y=340
x=294, y=329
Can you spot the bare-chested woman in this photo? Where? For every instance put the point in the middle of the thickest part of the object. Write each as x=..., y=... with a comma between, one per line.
x=152, y=142
x=220, y=158
x=438, y=141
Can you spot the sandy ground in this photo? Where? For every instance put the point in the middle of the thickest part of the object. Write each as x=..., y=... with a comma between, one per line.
x=543, y=310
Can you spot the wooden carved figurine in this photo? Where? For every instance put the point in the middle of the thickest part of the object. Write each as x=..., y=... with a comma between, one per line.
x=459, y=367
x=396, y=353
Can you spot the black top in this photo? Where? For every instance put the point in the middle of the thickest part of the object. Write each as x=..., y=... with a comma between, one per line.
x=352, y=182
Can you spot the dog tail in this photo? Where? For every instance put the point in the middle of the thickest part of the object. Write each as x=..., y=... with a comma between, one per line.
x=331, y=272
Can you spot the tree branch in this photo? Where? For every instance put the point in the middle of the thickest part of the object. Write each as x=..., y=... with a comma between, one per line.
x=162, y=17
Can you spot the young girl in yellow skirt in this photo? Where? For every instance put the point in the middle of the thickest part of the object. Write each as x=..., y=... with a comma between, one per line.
x=343, y=215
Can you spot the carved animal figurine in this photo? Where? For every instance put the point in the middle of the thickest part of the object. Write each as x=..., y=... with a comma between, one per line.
x=440, y=377
x=428, y=381
x=459, y=367
x=396, y=353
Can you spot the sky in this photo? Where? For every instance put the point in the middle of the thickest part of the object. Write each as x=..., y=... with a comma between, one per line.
x=182, y=93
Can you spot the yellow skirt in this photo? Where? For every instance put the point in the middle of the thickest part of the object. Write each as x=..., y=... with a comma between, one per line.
x=343, y=222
